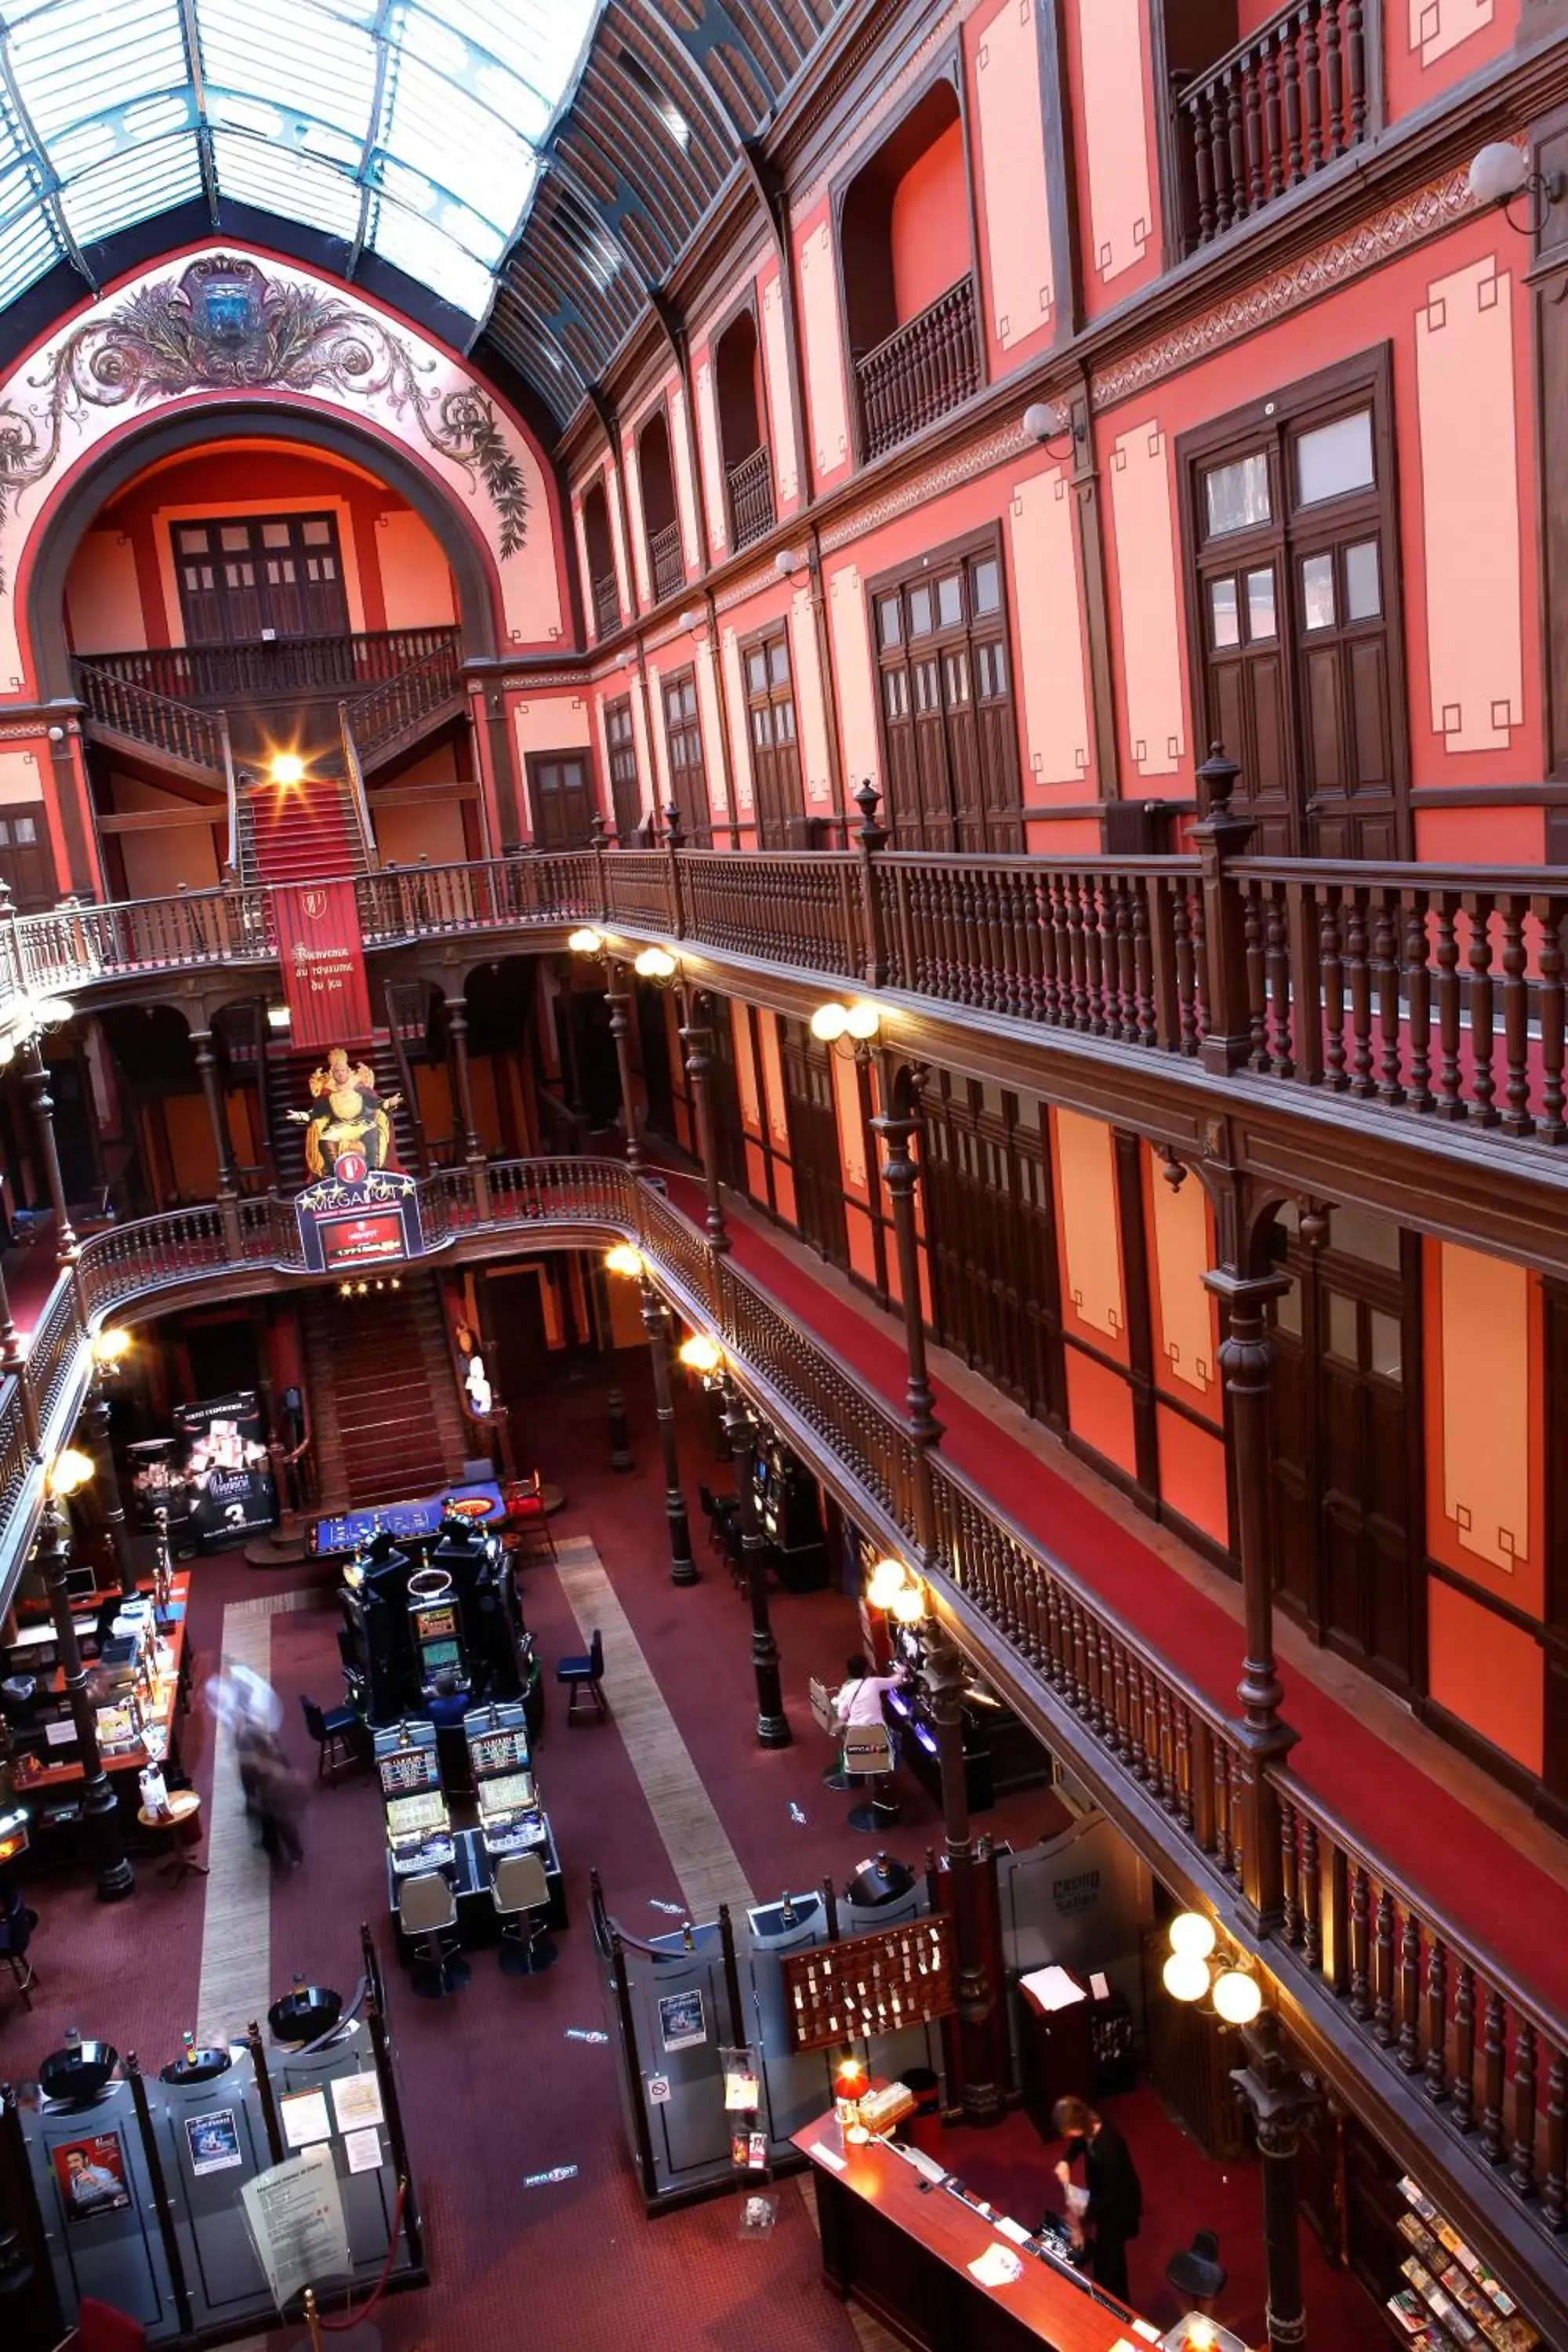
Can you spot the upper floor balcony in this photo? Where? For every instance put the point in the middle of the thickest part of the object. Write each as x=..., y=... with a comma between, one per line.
x=925, y=367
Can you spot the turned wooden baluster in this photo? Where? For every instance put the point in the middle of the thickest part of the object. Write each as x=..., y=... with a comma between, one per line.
x=1291, y=1913
x=1129, y=899
x=1058, y=983
x=1306, y=18
x=1235, y=146
x=1464, y=2094
x=1554, y=2191
x=1436, y=2020
x=1166, y=1736
x=1219, y=149
x=1360, y=978
x=1548, y=914
x=1273, y=144
x=1034, y=946
x=1096, y=976
x=1146, y=1027
x=1517, y=1119
x=1417, y=998
x=1257, y=999
x=1410, y=1995
x=1192, y=114
x=1385, y=966
x=1383, y=1972
x=1522, y=2156
x=1252, y=99
x=1224, y=1811
x=1355, y=64
x=1277, y=958
x=1311, y=1897
x=1333, y=992
x=1187, y=968
x=1483, y=1084
x=1494, y=2055
x=1333, y=88
x=1450, y=1097
x=1287, y=37
x=1361, y=1914
x=1073, y=889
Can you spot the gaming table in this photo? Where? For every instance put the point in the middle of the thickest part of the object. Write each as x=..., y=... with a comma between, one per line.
x=409, y=1522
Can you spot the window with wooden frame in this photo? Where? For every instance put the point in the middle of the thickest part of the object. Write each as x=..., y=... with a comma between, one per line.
x=683, y=741
x=625, y=792
x=945, y=698
x=1293, y=605
x=254, y=576
x=776, y=751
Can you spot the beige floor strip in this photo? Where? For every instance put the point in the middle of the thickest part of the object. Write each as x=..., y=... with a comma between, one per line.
x=236, y=1928
x=702, y=1857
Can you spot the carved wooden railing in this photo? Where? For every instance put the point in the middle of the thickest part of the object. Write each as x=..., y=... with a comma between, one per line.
x=666, y=560
x=272, y=666
x=198, y=738
x=807, y=905
x=751, y=496
x=923, y=368
x=394, y=711
x=1410, y=1990
x=607, y=598
x=1291, y=98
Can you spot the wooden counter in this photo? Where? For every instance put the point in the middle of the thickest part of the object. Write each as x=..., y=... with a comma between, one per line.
x=32, y=1778
x=904, y=2251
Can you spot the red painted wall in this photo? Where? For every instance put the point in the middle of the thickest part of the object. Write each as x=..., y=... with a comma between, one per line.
x=929, y=226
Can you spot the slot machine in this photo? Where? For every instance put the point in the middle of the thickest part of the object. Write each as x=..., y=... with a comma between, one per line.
x=789, y=1511
x=436, y=1629
x=505, y=1790
x=418, y=1827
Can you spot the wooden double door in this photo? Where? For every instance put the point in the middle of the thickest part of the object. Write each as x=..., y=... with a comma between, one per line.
x=1346, y=1451
x=814, y=1144
x=991, y=1241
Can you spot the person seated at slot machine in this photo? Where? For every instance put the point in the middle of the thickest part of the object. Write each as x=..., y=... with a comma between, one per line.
x=448, y=1704
x=859, y=1699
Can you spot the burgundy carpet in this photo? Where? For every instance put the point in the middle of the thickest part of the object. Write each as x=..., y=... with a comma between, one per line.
x=1427, y=1835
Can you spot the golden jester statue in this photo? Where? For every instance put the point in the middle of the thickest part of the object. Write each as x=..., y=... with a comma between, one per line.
x=348, y=1115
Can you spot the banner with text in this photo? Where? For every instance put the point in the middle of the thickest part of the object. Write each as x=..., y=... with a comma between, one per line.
x=321, y=952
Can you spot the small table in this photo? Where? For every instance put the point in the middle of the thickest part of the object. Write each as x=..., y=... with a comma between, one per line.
x=182, y=1819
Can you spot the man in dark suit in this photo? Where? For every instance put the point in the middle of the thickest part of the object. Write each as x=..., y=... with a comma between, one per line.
x=1115, y=2200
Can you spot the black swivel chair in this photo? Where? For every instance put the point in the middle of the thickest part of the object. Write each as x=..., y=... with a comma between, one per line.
x=1197, y=2273
x=582, y=1677
x=337, y=1733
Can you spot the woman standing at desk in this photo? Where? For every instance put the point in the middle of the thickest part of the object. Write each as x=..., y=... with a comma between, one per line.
x=1115, y=2200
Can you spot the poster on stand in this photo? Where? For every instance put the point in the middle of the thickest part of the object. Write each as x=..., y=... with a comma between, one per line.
x=227, y=1476
x=91, y=2176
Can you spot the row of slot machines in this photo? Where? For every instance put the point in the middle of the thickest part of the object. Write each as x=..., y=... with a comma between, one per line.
x=502, y=1793
x=410, y=1623
x=789, y=1512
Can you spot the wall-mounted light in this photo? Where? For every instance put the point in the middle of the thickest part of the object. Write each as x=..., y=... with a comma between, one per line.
x=909, y=1605
x=897, y=1590
x=280, y=1016
x=624, y=658
x=690, y=619
x=623, y=1259
x=110, y=1349
x=655, y=963
x=1045, y=424
x=70, y=1471
x=1500, y=172
x=1201, y=1969
x=286, y=768
x=832, y=1021
x=586, y=941
x=701, y=1354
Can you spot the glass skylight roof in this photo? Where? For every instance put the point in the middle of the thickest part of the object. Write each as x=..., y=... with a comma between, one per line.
x=407, y=128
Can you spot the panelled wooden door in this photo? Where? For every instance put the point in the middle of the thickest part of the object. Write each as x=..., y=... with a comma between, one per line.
x=625, y=792
x=990, y=1241
x=241, y=578
x=775, y=748
x=814, y=1144
x=562, y=799
x=947, y=720
x=1345, y=1453
x=729, y=1130
x=27, y=864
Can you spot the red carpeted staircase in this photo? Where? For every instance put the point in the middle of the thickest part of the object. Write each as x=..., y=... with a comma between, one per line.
x=299, y=833
x=383, y=1398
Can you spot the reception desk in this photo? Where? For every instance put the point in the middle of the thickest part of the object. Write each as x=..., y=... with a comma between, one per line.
x=903, y=2249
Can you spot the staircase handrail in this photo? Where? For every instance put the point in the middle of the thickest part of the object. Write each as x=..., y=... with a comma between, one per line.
x=384, y=710
x=231, y=787
x=179, y=729
x=355, y=774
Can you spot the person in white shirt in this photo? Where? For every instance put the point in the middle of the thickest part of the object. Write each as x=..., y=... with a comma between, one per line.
x=860, y=1698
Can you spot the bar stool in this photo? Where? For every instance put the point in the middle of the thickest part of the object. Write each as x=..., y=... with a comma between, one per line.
x=827, y=1721
x=521, y=1892
x=869, y=1756
x=427, y=1914
x=182, y=1820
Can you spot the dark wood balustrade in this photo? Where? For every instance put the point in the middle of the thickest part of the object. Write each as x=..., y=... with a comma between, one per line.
x=197, y=737
x=1291, y=98
x=1410, y=1990
x=395, y=709
x=268, y=668
x=925, y=367
x=750, y=483
x=606, y=597
x=666, y=560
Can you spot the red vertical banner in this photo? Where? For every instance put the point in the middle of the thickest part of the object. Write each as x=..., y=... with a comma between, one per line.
x=322, y=950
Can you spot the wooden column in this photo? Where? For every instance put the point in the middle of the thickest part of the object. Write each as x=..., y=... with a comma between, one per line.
x=656, y=1323
x=98, y=1804
x=473, y=1150
x=617, y=996
x=1277, y=2099
x=900, y=1176
x=98, y=1415
x=1218, y=836
x=741, y=1429
x=35, y=1077
x=217, y=1115
x=982, y=2016
x=696, y=1038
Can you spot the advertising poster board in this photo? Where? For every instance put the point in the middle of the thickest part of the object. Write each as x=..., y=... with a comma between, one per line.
x=228, y=1476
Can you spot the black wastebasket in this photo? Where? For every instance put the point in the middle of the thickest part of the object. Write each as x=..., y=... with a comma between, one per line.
x=923, y=2128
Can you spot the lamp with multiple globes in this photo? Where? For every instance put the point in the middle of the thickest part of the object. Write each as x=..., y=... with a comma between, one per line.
x=70, y=1471
x=1238, y=1996
x=860, y=1021
x=1192, y=1933
x=110, y=1349
x=586, y=941
x=909, y=1605
x=1185, y=1977
x=887, y=1580
x=655, y=963
x=1228, y=1984
x=701, y=1354
x=623, y=1259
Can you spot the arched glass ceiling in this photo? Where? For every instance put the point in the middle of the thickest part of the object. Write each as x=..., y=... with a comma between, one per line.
x=407, y=128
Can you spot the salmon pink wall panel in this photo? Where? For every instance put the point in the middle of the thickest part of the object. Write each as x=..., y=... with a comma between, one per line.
x=814, y=759
x=740, y=750
x=1187, y=1339
x=854, y=678
x=103, y=596
x=1100, y=1410
x=1113, y=69
x=631, y=474
x=618, y=541
x=712, y=467
x=660, y=749
x=1469, y=497
x=639, y=743
x=929, y=228
x=1192, y=1473
x=1484, y=1504
x=776, y=1115
x=416, y=583
x=1142, y=502
x=712, y=736
x=1435, y=27
x=851, y=1127
x=780, y=391
x=1049, y=613
x=551, y=722
x=685, y=482
x=820, y=322
x=1433, y=44
x=1015, y=229
x=1487, y=1672
x=1084, y=1160
x=745, y=1070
